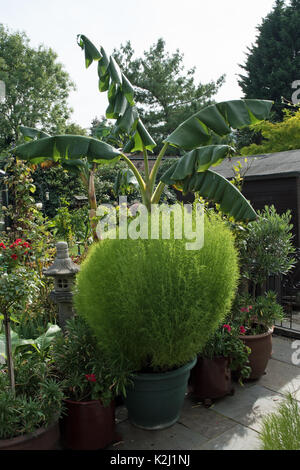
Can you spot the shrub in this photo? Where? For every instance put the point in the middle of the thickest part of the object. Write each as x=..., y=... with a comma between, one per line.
x=37, y=401
x=84, y=371
x=281, y=430
x=154, y=302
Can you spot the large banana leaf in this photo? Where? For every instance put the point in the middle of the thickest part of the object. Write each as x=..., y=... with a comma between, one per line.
x=199, y=160
x=31, y=133
x=66, y=147
x=216, y=188
x=120, y=94
x=218, y=119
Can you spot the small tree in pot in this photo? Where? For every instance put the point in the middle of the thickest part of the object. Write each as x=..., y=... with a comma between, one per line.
x=266, y=249
x=156, y=304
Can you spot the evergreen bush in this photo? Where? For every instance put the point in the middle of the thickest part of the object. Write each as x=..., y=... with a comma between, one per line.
x=152, y=301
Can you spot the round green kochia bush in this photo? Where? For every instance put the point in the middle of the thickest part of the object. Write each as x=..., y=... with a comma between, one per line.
x=154, y=303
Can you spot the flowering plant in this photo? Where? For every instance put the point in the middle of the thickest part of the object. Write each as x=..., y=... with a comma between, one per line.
x=258, y=315
x=84, y=370
x=14, y=255
x=225, y=342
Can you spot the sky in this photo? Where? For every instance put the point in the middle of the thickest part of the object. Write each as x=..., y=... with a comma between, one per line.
x=213, y=35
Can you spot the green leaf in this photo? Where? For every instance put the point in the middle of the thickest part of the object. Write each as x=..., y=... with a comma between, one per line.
x=90, y=51
x=218, y=119
x=45, y=339
x=31, y=133
x=199, y=160
x=216, y=188
x=64, y=147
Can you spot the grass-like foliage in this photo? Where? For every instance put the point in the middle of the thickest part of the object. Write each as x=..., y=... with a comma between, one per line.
x=281, y=430
x=152, y=301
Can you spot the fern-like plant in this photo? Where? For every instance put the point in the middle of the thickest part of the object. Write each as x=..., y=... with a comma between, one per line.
x=152, y=301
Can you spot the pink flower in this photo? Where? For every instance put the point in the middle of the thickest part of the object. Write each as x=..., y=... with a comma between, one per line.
x=90, y=377
x=227, y=327
x=242, y=330
x=249, y=307
x=243, y=309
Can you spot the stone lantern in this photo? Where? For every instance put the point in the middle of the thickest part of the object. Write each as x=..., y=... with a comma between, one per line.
x=63, y=270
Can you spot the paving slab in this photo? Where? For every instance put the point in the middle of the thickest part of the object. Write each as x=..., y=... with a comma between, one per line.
x=249, y=405
x=177, y=437
x=282, y=349
x=237, y=438
x=281, y=377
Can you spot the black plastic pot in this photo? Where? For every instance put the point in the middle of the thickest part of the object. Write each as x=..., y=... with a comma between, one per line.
x=156, y=399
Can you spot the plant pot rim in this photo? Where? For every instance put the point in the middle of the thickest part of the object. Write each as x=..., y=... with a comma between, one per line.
x=261, y=335
x=82, y=403
x=152, y=376
x=26, y=437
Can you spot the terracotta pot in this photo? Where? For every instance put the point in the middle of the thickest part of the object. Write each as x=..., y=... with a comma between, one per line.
x=211, y=378
x=41, y=439
x=261, y=350
x=87, y=425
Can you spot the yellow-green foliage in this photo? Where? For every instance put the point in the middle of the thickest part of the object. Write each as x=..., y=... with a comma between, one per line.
x=277, y=137
x=152, y=301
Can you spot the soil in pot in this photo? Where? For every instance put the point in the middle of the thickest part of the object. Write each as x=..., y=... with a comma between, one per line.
x=87, y=425
x=156, y=399
x=211, y=379
x=261, y=350
x=41, y=439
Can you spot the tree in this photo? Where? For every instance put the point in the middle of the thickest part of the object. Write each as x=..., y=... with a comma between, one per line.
x=37, y=88
x=165, y=93
x=194, y=137
x=276, y=137
x=273, y=62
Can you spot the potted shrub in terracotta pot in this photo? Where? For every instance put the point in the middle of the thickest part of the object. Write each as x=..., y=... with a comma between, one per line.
x=155, y=303
x=29, y=414
x=90, y=382
x=224, y=352
x=258, y=320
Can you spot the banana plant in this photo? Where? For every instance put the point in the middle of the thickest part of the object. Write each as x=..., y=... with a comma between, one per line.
x=195, y=136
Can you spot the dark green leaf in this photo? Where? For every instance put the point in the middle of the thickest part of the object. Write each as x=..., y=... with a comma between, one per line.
x=216, y=188
x=66, y=147
x=219, y=119
x=31, y=133
x=90, y=51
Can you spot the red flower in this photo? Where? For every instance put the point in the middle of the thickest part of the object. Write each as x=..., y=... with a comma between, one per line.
x=90, y=377
x=250, y=307
x=227, y=327
x=2, y=246
x=14, y=257
x=242, y=330
x=18, y=240
x=243, y=309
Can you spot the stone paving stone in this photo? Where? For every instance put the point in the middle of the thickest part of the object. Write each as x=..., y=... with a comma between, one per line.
x=205, y=421
x=282, y=349
x=237, y=438
x=249, y=405
x=281, y=377
x=177, y=437
x=121, y=413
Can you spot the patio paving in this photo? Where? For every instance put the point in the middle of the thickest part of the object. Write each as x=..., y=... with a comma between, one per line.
x=231, y=423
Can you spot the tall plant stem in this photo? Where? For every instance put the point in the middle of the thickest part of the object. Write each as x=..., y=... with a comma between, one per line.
x=157, y=193
x=138, y=176
x=93, y=203
x=156, y=166
x=10, y=365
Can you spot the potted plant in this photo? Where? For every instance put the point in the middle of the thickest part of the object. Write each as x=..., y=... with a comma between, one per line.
x=266, y=249
x=29, y=413
x=90, y=382
x=258, y=320
x=224, y=352
x=155, y=303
